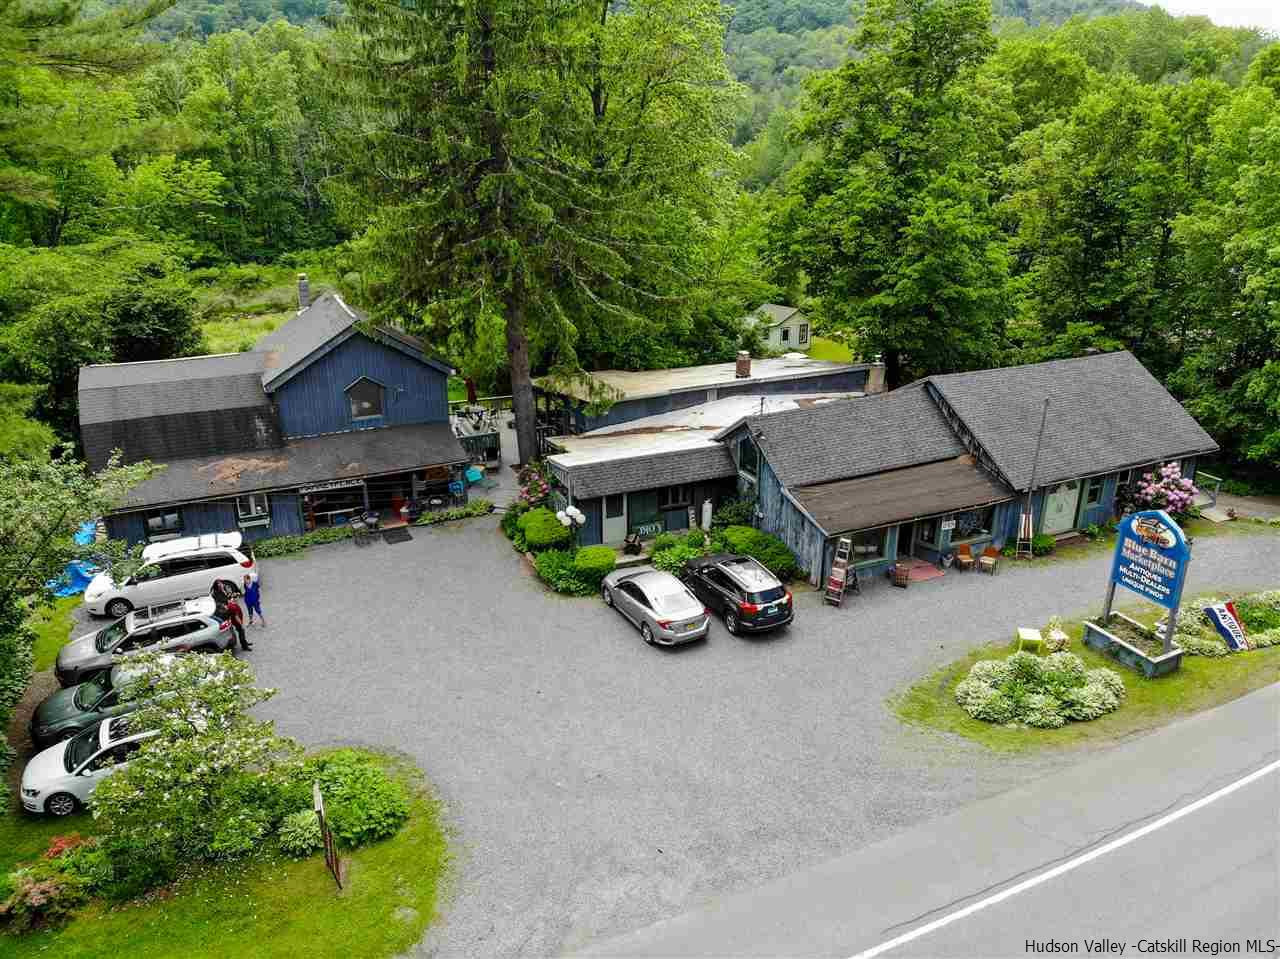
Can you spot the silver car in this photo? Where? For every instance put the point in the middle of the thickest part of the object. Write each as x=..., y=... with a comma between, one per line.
x=659, y=605
x=193, y=624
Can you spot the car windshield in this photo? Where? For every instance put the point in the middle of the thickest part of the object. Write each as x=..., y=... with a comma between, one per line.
x=671, y=602
x=767, y=595
x=80, y=749
x=89, y=693
x=111, y=635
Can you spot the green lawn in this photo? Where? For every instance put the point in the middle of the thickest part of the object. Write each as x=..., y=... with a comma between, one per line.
x=269, y=910
x=52, y=625
x=240, y=305
x=1201, y=683
x=824, y=349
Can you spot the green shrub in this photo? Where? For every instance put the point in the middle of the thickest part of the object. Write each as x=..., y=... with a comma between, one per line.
x=285, y=545
x=556, y=568
x=594, y=563
x=136, y=868
x=1268, y=637
x=1009, y=552
x=475, y=507
x=363, y=804
x=41, y=895
x=1042, y=693
x=769, y=550
x=695, y=538
x=510, y=521
x=1042, y=544
x=734, y=512
x=1257, y=615
x=542, y=530
x=299, y=833
x=663, y=542
x=672, y=560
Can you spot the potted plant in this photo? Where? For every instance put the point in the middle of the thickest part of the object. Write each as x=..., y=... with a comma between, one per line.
x=1055, y=637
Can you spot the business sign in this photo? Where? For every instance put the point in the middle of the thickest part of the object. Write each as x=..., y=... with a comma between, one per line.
x=648, y=529
x=1227, y=623
x=1151, y=557
x=948, y=524
x=330, y=485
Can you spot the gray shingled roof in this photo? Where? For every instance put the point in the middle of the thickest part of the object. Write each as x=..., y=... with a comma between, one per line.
x=298, y=462
x=325, y=322
x=606, y=477
x=868, y=434
x=1106, y=412
x=770, y=314
x=193, y=384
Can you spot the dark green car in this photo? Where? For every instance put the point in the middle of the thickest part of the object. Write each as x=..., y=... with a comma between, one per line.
x=68, y=711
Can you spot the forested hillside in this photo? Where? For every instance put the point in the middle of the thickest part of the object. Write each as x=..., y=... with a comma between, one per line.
x=1033, y=186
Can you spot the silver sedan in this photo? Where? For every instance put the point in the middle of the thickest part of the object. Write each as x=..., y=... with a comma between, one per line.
x=659, y=605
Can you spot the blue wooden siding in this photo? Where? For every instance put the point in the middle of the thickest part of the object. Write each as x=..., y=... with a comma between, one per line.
x=215, y=516
x=314, y=401
x=592, y=532
x=784, y=520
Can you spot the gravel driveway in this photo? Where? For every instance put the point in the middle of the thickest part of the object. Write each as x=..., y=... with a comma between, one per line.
x=596, y=785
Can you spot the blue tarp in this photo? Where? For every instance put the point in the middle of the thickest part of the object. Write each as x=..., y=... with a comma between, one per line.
x=76, y=576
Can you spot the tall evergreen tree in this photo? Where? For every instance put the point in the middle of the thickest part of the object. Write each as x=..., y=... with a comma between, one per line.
x=526, y=167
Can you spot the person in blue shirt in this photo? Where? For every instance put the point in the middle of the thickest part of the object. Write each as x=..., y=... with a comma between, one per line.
x=253, y=600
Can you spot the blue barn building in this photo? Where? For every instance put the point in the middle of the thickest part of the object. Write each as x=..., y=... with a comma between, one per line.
x=328, y=416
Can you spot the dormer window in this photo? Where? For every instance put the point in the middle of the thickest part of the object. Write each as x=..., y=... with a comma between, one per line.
x=365, y=397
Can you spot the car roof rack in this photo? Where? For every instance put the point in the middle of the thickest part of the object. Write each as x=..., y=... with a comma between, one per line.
x=160, y=611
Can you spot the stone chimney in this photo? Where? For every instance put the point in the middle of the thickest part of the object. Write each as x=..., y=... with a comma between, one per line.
x=743, y=369
x=304, y=292
x=875, y=376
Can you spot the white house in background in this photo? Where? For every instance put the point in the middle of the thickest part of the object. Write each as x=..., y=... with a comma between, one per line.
x=782, y=328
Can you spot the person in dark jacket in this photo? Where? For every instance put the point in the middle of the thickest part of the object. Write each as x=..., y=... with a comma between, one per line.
x=236, y=615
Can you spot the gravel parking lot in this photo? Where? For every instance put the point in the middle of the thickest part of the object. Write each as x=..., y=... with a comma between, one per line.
x=596, y=785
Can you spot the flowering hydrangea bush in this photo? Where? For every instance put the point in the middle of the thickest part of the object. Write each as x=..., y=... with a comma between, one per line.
x=535, y=486
x=1046, y=693
x=1167, y=489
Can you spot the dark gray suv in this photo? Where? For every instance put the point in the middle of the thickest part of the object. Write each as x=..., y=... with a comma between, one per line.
x=749, y=597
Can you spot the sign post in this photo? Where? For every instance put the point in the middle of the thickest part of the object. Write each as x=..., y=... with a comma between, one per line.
x=326, y=836
x=1151, y=559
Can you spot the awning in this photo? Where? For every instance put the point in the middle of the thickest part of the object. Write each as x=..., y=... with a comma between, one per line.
x=899, y=496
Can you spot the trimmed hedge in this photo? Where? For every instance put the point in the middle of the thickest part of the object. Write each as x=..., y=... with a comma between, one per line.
x=769, y=550
x=1043, y=692
x=556, y=568
x=542, y=530
x=476, y=507
x=594, y=563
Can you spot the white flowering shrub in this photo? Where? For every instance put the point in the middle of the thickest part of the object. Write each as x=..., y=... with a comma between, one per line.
x=1268, y=637
x=1042, y=692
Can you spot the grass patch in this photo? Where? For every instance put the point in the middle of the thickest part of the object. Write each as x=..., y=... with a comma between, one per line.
x=1200, y=684
x=240, y=332
x=271, y=909
x=821, y=348
x=457, y=389
x=239, y=305
x=52, y=626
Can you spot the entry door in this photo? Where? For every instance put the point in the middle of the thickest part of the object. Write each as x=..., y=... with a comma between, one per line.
x=615, y=519
x=906, y=539
x=1060, y=508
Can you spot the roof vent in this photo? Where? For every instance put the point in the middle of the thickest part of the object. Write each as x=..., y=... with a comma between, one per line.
x=743, y=369
x=304, y=292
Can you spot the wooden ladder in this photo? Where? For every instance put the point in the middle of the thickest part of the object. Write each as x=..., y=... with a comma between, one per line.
x=838, y=578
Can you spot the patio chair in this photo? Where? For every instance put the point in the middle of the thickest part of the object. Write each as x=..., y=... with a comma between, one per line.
x=964, y=557
x=632, y=545
x=989, y=561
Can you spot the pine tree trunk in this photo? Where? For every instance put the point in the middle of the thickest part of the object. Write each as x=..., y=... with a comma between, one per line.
x=521, y=382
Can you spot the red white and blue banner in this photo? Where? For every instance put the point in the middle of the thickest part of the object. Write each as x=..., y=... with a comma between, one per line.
x=1227, y=623
x=1151, y=557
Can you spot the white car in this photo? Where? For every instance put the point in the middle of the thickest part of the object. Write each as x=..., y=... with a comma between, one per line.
x=59, y=780
x=173, y=570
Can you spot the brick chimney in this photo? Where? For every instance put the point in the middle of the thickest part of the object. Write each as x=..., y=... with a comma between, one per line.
x=875, y=376
x=304, y=292
x=743, y=369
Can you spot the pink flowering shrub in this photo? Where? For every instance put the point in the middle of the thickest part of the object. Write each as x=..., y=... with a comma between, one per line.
x=535, y=487
x=1167, y=489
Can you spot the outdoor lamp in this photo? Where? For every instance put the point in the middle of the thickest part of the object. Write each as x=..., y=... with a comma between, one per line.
x=563, y=517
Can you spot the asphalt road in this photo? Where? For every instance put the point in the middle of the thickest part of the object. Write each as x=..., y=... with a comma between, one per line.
x=595, y=785
x=1163, y=840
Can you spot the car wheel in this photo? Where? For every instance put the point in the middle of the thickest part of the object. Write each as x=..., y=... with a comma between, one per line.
x=647, y=633
x=731, y=621
x=607, y=595
x=119, y=608
x=61, y=804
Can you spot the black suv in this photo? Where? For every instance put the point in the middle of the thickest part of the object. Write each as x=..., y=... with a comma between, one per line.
x=748, y=596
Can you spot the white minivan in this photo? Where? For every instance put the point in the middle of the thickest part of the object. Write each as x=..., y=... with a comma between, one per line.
x=177, y=569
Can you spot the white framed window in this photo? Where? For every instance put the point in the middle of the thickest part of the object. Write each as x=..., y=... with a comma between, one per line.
x=804, y=333
x=253, y=509
x=786, y=334
x=164, y=525
x=868, y=545
x=748, y=458
x=365, y=396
